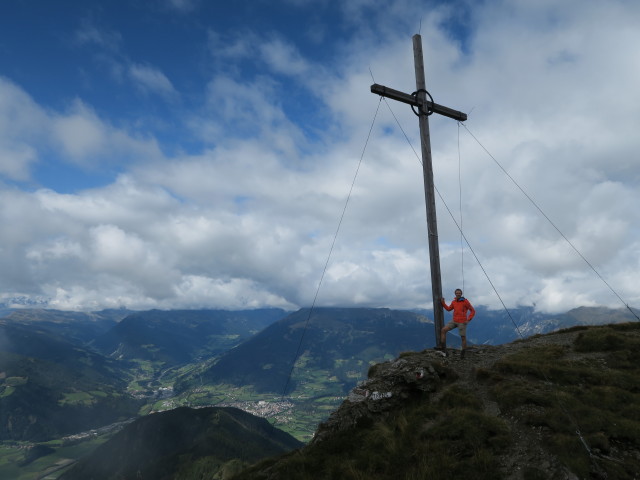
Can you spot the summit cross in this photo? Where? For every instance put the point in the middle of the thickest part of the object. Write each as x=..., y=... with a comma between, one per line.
x=418, y=99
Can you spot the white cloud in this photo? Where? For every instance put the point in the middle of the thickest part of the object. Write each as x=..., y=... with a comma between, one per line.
x=89, y=34
x=110, y=54
x=15, y=161
x=151, y=80
x=21, y=124
x=230, y=47
x=236, y=293
x=80, y=133
x=31, y=134
x=284, y=58
x=248, y=220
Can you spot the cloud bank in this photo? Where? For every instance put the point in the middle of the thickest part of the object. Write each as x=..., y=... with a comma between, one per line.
x=243, y=212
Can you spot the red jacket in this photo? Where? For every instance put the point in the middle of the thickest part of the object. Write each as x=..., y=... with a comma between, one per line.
x=460, y=309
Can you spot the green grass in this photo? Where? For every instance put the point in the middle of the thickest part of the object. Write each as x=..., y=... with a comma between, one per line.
x=313, y=401
x=546, y=388
x=412, y=443
x=586, y=408
x=15, y=381
x=317, y=394
x=12, y=454
x=8, y=385
x=6, y=391
x=76, y=398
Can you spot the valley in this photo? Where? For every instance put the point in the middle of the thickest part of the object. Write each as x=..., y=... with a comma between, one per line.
x=141, y=365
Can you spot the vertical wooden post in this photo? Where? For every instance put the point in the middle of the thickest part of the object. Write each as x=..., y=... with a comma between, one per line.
x=429, y=189
x=426, y=107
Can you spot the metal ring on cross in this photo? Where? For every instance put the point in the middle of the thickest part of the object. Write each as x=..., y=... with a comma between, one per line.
x=420, y=111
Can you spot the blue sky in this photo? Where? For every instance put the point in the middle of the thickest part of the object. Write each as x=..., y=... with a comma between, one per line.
x=188, y=153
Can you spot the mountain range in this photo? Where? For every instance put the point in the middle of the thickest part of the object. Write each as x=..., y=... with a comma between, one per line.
x=495, y=327
x=340, y=341
x=63, y=372
x=59, y=376
x=77, y=327
x=179, y=336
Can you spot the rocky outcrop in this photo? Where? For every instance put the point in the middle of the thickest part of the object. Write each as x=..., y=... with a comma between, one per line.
x=389, y=386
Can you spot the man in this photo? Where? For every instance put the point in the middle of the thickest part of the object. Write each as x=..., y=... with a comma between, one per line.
x=460, y=306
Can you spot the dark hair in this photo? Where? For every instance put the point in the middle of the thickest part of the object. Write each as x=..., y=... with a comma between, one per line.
x=457, y=290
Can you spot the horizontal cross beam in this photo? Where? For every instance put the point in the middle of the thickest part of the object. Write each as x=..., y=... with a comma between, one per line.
x=412, y=100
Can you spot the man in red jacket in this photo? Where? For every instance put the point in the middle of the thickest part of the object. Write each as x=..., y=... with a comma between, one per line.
x=460, y=307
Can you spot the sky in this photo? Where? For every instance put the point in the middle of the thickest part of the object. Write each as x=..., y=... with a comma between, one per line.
x=178, y=154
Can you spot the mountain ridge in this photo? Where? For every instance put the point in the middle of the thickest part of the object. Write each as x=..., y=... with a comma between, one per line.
x=50, y=386
x=303, y=369
x=560, y=405
x=179, y=336
x=184, y=442
x=319, y=337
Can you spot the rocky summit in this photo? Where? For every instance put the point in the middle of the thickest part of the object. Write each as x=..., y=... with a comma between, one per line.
x=557, y=406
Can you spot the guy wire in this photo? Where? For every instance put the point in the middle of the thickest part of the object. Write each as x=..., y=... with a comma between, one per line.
x=456, y=223
x=559, y=400
x=326, y=264
x=551, y=222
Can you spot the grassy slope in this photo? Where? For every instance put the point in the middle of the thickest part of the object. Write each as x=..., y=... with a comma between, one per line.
x=183, y=443
x=56, y=388
x=534, y=409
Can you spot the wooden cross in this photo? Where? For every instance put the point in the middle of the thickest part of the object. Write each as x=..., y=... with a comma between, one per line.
x=425, y=108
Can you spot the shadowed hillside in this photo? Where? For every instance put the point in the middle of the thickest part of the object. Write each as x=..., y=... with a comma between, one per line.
x=76, y=327
x=184, y=443
x=338, y=340
x=50, y=387
x=179, y=336
x=558, y=406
